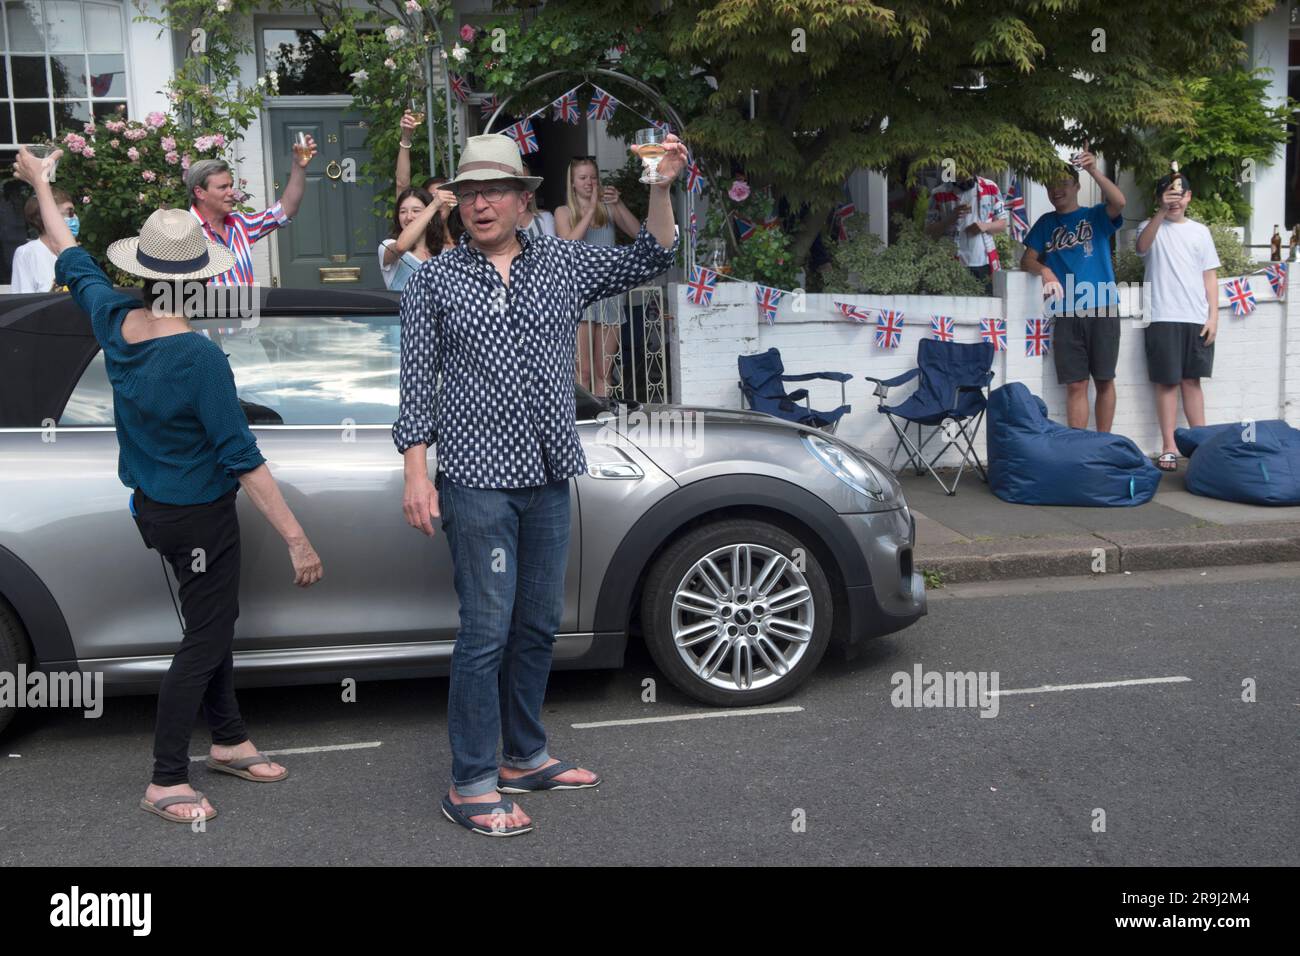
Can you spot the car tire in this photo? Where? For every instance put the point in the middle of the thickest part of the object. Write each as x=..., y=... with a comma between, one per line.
x=719, y=638
x=14, y=650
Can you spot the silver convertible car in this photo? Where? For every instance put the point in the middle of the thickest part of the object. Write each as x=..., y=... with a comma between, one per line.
x=739, y=547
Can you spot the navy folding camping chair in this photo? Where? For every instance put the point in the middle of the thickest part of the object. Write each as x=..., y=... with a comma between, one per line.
x=761, y=384
x=950, y=400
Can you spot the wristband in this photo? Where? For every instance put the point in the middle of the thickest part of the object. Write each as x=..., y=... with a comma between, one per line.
x=404, y=145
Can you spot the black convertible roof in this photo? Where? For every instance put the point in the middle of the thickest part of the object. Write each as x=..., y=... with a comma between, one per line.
x=46, y=341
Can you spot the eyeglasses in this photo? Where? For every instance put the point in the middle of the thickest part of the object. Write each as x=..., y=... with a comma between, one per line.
x=493, y=194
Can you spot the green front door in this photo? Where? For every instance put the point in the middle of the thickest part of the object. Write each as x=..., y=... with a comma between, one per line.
x=332, y=242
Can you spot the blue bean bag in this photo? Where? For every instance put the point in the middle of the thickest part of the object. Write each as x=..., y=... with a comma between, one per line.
x=1036, y=461
x=1231, y=463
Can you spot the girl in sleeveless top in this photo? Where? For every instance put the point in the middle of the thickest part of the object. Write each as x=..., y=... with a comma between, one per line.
x=591, y=214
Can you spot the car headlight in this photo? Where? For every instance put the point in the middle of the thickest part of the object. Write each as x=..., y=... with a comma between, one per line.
x=846, y=466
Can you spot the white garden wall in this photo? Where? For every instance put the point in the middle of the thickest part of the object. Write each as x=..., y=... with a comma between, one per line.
x=1257, y=358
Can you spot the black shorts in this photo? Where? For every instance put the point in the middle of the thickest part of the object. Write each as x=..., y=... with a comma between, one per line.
x=1085, y=346
x=1175, y=351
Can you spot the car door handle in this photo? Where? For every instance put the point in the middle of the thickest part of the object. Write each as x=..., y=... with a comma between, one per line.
x=615, y=469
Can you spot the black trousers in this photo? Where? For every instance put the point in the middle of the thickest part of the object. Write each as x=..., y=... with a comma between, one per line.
x=201, y=543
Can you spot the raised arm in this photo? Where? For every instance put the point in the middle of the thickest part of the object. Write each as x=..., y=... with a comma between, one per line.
x=297, y=185
x=402, y=174
x=32, y=171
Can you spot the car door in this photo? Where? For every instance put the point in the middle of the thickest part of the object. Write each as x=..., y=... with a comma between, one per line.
x=321, y=392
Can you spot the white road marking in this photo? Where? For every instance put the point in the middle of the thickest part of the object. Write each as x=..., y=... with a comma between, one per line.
x=1048, y=688
x=312, y=750
x=702, y=715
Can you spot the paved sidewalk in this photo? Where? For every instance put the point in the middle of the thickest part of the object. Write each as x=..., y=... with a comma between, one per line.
x=975, y=536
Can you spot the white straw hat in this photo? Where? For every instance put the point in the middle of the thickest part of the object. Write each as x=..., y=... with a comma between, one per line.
x=171, y=245
x=492, y=156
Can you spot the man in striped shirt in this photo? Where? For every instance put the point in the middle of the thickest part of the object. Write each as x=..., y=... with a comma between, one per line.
x=212, y=193
x=970, y=211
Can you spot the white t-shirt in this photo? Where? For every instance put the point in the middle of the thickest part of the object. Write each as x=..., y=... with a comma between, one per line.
x=33, y=269
x=1176, y=264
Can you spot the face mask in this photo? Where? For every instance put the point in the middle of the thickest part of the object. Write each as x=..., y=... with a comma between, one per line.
x=74, y=225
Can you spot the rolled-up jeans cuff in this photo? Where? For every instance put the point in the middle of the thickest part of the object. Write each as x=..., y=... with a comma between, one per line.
x=477, y=788
x=527, y=763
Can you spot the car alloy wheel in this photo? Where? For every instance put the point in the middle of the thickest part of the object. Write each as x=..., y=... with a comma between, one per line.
x=743, y=617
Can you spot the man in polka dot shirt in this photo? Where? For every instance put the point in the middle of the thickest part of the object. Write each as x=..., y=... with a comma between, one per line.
x=489, y=333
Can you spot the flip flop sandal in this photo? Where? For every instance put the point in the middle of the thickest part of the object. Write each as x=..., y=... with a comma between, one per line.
x=158, y=806
x=461, y=813
x=544, y=779
x=1167, y=462
x=239, y=767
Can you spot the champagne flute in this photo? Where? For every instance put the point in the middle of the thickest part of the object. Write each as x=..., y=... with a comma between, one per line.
x=650, y=148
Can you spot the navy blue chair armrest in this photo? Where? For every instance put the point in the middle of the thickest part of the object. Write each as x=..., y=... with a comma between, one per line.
x=832, y=376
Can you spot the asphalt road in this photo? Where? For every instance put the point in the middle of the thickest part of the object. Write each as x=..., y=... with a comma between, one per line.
x=1186, y=772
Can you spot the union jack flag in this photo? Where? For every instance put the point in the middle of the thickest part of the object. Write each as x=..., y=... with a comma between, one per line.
x=1038, y=336
x=524, y=135
x=841, y=216
x=487, y=105
x=694, y=178
x=460, y=87
x=1016, y=210
x=745, y=228
x=566, y=107
x=854, y=312
x=602, y=105
x=1277, y=276
x=942, y=328
x=1241, y=296
x=772, y=221
x=995, y=331
x=889, y=328
x=768, y=301
x=700, y=288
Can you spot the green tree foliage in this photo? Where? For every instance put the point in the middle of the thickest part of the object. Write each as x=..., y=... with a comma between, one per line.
x=1232, y=129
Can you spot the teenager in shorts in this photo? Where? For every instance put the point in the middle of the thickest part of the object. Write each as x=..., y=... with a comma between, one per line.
x=1182, y=271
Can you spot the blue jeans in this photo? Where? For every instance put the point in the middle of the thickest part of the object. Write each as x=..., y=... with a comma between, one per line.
x=509, y=548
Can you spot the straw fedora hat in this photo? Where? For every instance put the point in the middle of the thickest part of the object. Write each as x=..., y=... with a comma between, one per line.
x=171, y=245
x=492, y=156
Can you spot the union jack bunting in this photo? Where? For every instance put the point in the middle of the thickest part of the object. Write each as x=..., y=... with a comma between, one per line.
x=995, y=331
x=566, y=107
x=768, y=301
x=942, y=328
x=602, y=105
x=694, y=178
x=1016, y=211
x=772, y=221
x=460, y=87
x=745, y=228
x=1038, y=336
x=841, y=216
x=1240, y=296
x=487, y=105
x=524, y=135
x=889, y=328
x=856, y=313
x=700, y=289
x=1277, y=276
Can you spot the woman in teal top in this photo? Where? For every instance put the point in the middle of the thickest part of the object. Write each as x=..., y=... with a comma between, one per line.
x=185, y=449
x=418, y=234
